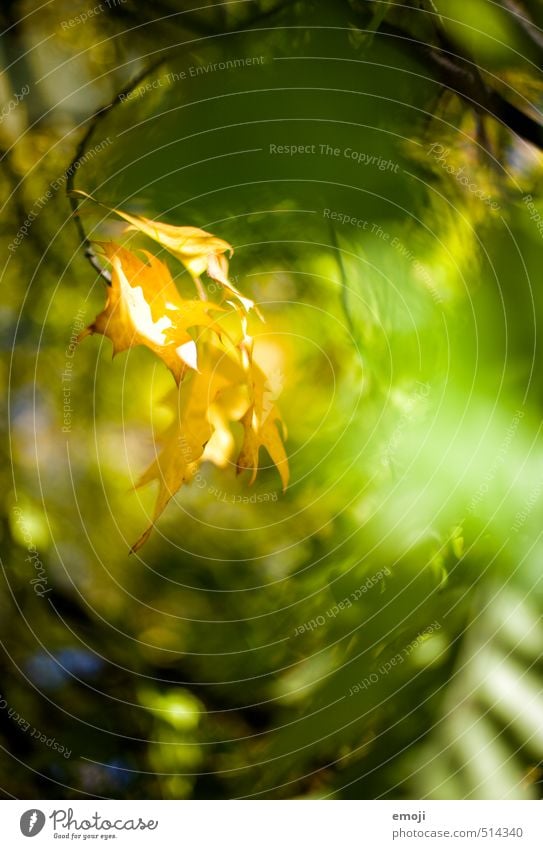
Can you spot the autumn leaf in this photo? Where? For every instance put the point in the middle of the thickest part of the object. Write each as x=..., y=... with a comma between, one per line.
x=199, y=408
x=198, y=250
x=261, y=423
x=144, y=307
x=218, y=381
x=229, y=387
x=176, y=464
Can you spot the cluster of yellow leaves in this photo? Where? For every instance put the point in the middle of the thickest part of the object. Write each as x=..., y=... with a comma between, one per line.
x=218, y=380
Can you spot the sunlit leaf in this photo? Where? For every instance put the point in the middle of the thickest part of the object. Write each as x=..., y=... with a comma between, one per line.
x=198, y=250
x=184, y=442
x=143, y=307
x=261, y=423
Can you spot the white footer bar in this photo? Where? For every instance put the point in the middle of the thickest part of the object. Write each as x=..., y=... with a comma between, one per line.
x=316, y=824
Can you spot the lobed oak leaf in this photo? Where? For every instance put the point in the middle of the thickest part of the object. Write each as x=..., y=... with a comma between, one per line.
x=144, y=307
x=261, y=422
x=230, y=405
x=198, y=250
x=200, y=407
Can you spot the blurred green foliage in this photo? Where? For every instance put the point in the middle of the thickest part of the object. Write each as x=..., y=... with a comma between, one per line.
x=285, y=647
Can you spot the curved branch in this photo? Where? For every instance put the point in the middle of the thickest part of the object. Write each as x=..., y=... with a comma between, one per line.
x=100, y=114
x=79, y=157
x=456, y=71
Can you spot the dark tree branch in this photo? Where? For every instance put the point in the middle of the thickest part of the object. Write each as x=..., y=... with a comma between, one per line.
x=471, y=86
x=459, y=73
x=80, y=156
x=522, y=19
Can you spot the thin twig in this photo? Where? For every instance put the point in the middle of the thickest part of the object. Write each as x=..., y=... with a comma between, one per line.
x=343, y=279
x=79, y=157
x=89, y=252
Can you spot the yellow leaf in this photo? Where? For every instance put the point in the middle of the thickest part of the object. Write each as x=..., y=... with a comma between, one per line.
x=144, y=307
x=261, y=424
x=223, y=384
x=197, y=249
x=185, y=441
x=230, y=405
